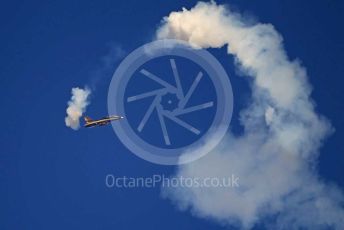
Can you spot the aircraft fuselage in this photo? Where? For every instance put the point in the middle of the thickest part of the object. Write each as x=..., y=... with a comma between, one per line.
x=104, y=121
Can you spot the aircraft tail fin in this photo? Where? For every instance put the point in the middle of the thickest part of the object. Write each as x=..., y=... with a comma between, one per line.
x=87, y=119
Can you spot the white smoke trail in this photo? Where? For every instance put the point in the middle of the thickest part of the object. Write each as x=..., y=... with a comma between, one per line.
x=76, y=107
x=79, y=101
x=275, y=157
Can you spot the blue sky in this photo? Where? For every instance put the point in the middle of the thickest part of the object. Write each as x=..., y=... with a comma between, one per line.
x=53, y=177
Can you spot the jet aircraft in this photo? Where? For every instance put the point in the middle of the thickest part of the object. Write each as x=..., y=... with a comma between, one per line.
x=104, y=121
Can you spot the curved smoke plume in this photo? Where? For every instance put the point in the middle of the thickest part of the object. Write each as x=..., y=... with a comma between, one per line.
x=76, y=107
x=275, y=157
